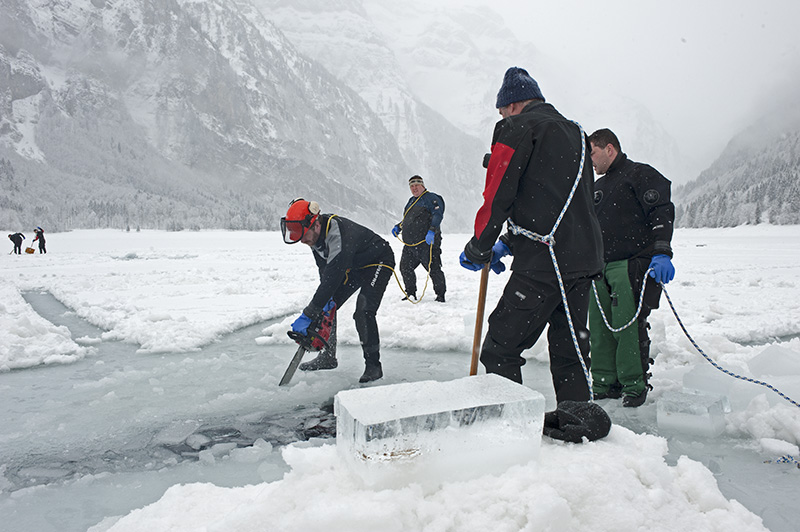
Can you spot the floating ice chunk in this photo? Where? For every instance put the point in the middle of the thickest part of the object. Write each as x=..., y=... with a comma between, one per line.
x=427, y=432
x=197, y=441
x=739, y=392
x=176, y=432
x=704, y=378
x=773, y=446
x=220, y=450
x=255, y=453
x=776, y=361
x=88, y=340
x=696, y=413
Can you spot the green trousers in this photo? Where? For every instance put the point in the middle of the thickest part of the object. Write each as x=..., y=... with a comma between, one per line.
x=616, y=356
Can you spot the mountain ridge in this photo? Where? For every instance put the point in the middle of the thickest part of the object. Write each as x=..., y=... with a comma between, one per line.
x=755, y=180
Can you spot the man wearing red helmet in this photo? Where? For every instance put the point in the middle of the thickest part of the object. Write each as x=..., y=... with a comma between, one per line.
x=350, y=258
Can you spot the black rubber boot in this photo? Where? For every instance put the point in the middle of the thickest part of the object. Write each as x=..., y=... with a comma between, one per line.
x=614, y=392
x=324, y=360
x=633, y=401
x=372, y=372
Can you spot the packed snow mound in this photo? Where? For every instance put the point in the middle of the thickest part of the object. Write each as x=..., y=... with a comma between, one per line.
x=620, y=483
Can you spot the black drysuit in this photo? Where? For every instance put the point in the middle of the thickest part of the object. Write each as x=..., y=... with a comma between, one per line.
x=633, y=204
x=40, y=238
x=533, y=166
x=421, y=215
x=351, y=257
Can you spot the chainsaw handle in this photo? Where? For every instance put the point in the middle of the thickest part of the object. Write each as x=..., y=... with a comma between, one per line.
x=305, y=341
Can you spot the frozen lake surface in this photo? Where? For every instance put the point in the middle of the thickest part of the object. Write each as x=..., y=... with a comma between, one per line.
x=140, y=371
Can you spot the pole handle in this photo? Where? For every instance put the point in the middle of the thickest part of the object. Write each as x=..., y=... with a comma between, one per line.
x=476, y=341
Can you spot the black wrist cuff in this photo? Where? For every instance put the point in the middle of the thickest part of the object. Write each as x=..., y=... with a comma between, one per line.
x=312, y=311
x=474, y=255
x=662, y=247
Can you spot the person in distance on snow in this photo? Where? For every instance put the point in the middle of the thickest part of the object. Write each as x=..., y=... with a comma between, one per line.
x=534, y=162
x=422, y=236
x=17, y=239
x=632, y=202
x=350, y=258
x=40, y=237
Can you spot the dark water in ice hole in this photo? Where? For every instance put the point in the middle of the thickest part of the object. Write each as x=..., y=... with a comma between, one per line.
x=54, y=393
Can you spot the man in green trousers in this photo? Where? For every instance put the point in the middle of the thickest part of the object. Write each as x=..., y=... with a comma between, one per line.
x=636, y=215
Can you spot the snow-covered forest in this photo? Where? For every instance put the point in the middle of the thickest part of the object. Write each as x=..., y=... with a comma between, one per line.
x=755, y=180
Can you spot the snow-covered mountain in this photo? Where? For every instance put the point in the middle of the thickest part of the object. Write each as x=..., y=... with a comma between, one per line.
x=176, y=114
x=191, y=114
x=349, y=39
x=755, y=180
x=407, y=57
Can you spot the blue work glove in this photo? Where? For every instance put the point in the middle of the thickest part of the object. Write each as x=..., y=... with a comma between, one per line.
x=499, y=250
x=301, y=324
x=663, y=270
x=396, y=230
x=429, y=237
x=468, y=264
x=328, y=306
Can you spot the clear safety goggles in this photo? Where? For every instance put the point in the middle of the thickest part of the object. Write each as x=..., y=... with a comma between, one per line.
x=293, y=230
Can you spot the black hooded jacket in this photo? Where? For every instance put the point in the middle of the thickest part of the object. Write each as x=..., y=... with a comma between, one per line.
x=636, y=214
x=534, y=163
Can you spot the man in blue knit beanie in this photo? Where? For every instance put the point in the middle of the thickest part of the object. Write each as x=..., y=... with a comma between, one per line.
x=518, y=86
x=531, y=173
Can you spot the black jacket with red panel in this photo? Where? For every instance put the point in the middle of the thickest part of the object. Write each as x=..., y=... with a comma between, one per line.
x=534, y=163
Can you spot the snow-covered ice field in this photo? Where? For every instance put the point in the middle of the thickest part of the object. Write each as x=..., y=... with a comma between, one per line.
x=149, y=400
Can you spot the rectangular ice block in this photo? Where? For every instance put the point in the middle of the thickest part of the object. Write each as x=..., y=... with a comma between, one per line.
x=704, y=378
x=438, y=430
x=700, y=414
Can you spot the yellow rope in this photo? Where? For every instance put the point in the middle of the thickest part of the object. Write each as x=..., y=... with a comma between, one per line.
x=430, y=259
x=346, y=275
x=430, y=256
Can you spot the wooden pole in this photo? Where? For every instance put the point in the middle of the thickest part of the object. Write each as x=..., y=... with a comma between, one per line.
x=476, y=341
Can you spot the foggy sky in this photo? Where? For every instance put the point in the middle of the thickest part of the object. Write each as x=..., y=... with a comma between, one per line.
x=704, y=68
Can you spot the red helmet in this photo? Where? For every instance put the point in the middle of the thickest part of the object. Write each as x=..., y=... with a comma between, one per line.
x=301, y=215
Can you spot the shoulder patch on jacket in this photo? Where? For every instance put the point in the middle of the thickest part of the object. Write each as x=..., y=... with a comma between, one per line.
x=651, y=196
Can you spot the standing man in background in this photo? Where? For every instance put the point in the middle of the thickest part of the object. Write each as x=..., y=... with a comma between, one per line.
x=422, y=238
x=632, y=202
x=40, y=237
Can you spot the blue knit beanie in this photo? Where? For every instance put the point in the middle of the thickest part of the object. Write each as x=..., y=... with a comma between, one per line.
x=518, y=86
